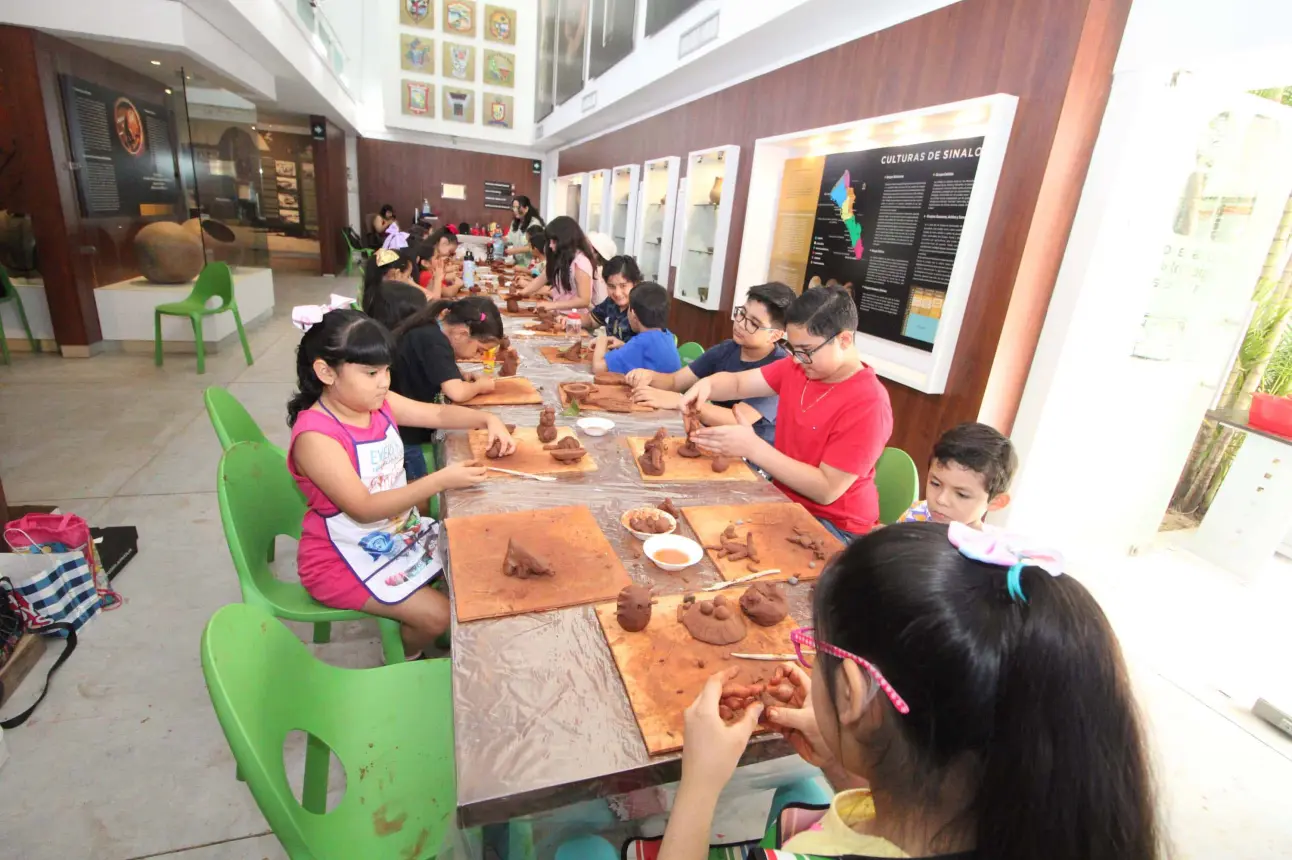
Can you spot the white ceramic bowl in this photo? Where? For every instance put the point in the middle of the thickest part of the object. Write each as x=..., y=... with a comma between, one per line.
x=672, y=523
x=694, y=552
x=595, y=426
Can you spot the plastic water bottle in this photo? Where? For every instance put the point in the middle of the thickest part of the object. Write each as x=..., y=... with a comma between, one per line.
x=469, y=270
x=499, y=246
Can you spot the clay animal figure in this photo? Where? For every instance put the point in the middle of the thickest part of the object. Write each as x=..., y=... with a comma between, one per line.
x=690, y=424
x=510, y=363
x=549, y=322
x=765, y=604
x=547, y=425
x=732, y=548
x=575, y=352
x=804, y=539
x=668, y=507
x=652, y=458
x=523, y=564
x=568, y=450
x=648, y=522
x=716, y=621
x=633, y=608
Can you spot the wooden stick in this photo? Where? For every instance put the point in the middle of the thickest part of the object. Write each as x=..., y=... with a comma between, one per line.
x=722, y=585
x=521, y=474
x=777, y=658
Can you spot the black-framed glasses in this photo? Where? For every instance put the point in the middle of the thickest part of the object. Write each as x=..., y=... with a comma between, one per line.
x=804, y=356
x=741, y=317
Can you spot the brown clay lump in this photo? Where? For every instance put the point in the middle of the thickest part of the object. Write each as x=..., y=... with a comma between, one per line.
x=523, y=564
x=568, y=450
x=513, y=305
x=648, y=522
x=495, y=450
x=732, y=548
x=652, y=458
x=716, y=622
x=547, y=425
x=765, y=604
x=575, y=352
x=720, y=464
x=668, y=507
x=633, y=608
x=803, y=539
x=610, y=379
x=510, y=363
x=577, y=391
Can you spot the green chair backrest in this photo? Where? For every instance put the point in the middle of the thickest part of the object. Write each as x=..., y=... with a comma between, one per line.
x=232, y=422
x=214, y=281
x=391, y=727
x=898, y=483
x=6, y=286
x=689, y=352
x=258, y=502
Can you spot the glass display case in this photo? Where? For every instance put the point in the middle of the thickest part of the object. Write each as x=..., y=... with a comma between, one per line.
x=598, y=205
x=624, y=187
x=706, y=216
x=568, y=197
x=657, y=209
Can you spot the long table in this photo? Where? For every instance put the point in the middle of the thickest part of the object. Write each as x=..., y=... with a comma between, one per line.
x=541, y=717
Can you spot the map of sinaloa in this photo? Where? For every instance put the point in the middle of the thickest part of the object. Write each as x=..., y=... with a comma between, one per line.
x=845, y=198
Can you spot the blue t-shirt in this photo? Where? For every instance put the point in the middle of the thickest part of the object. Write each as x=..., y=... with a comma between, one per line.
x=653, y=350
x=726, y=357
x=615, y=319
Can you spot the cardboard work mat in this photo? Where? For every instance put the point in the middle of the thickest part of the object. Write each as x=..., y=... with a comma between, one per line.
x=551, y=354
x=661, y=670
x=508, y=391
x=530, y=456
x=678, y=468
x=621, y=393
x=587, y=569
x=771, y=524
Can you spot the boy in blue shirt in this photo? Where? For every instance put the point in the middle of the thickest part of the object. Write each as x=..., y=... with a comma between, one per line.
x=758, y=328
x=652, y=345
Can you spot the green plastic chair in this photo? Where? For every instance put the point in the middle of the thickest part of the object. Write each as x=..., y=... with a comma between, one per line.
x=215, y=282
x=232, y=422
x=689, y=352
x=352, y=250
x=259, y=501
x=898, y=483
x=391, y=727
x=8, y=294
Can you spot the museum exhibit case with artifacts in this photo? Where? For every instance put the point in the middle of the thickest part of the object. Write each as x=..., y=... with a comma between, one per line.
x=624, y=187
x=705, y=220
x=568, y=195
x=893, y=209
x=598, y=220
x=657, y=211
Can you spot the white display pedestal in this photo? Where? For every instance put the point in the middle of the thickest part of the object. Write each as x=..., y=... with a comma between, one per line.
x=126, y=312
x=31, y=292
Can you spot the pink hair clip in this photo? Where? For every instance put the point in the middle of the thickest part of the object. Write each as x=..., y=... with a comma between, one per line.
x=1005, y=550
x=482, y=316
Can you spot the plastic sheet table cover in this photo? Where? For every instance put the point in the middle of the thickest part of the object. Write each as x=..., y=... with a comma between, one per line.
x=541, y=717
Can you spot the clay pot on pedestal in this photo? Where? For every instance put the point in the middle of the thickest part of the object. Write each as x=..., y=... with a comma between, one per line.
x=715, y=193
x=167, y=253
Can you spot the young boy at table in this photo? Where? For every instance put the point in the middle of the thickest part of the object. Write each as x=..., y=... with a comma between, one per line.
x=755, y=342
x=621, y=275
x=832, y=421
x=651, y=346
x=969, y=475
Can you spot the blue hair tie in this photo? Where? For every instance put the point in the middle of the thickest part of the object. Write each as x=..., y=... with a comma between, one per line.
x=995, y=547
x=1014, y=580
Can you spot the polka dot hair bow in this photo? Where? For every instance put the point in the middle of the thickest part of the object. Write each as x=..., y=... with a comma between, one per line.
x=1005, y=550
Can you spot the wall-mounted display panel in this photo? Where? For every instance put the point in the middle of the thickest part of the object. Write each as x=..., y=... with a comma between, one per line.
x=657, y=208
x=598, y=207
x=893, y=208
x=706, y=218
x=625, y=182
x=568, y=196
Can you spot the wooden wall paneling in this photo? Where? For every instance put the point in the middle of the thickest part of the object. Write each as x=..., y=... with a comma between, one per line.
x=1055, y=55
x=402, y=174
x=333, y=208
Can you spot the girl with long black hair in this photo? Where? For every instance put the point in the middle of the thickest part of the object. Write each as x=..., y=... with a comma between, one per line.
x=573, y=270
x=384, y=265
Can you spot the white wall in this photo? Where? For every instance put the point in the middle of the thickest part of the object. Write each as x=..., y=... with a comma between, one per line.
x=352, y=182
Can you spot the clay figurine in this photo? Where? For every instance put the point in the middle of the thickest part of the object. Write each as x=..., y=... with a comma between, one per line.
x=731, y=548
x=803, y=539
x=523, y=564
x=608, y=378
x=547, y=425
x=668, y=507
x=505, y=343
x=632, y=608
x=577, y=392
x=765, y=604
x=510, y=363
x=513, y=305
x=575, y=352
x=720, y=464
x=781, y=690
x=648, y=522
x=713, y=621
x=568, y=450
x=652, y=458
x=690, y=423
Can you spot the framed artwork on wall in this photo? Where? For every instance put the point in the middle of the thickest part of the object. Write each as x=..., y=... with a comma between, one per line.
x=417, y=54
x=459, y=62
x=571, y=35
x=499, y=68
x=661, y=13
x=545, y=82
x=460, y=17
x=417, y=13
x=459, y=105
x=418, y=98
x=500, y=25
x=498, y=110
x=612, y=34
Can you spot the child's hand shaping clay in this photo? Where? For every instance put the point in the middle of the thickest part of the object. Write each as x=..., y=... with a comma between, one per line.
x=799, y=724
x=711, y=748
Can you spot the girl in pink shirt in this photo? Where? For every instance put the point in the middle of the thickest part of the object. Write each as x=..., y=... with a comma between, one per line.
x=572, y=275
x=363, y=543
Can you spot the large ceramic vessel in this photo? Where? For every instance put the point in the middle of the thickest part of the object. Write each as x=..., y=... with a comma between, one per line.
x=167, y=253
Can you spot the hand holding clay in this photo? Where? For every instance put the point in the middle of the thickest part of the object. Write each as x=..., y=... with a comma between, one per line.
x=711, y=749
x=484, y=384
x=613, y=343
x=459, y=476
x=498, y=433
x=655, y=398
x=728, y=440
x=641, y=377
x=695, y=395
x=797, y=721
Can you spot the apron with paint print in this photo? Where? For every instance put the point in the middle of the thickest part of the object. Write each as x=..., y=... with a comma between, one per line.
x=392, y=557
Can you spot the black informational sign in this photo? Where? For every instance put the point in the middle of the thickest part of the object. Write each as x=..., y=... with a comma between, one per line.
x=122, y=149
x=888, y=224
x=497, y=195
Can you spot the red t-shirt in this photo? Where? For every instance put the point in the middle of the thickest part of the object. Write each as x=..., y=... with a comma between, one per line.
x=844, y=425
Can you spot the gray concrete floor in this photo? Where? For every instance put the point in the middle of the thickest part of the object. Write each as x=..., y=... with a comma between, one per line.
x=125, y=760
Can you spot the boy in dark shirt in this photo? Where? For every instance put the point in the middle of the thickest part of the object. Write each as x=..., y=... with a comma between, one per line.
x=758, y=328
x=621, y=275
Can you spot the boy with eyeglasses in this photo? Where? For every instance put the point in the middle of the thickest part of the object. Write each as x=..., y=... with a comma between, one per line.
x=833, y=421
x=756, y=333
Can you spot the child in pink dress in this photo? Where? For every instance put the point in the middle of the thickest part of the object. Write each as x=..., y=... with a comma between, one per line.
x=363, y=543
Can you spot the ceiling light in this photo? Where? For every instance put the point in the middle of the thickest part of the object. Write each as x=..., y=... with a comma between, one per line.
x=253, y=128
x=155, y=62
x=168, y=91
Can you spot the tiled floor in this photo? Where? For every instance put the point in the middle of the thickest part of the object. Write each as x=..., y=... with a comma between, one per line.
x=125, y=760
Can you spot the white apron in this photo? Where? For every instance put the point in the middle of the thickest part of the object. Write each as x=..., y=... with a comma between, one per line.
x=396, y=556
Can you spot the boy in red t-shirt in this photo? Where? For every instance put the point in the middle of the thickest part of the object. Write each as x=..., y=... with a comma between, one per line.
x=832, y=422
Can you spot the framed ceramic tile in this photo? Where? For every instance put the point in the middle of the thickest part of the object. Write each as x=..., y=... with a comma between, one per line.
x=459, y=62
x=419, y=98
x=500, y=25
x=499, y=68
x=499, y=110
x=459, y=105
x=460, y=17
x=417, y=53
x=417, y=13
